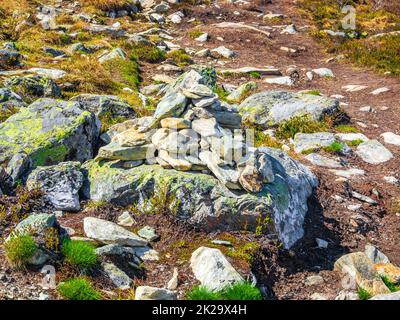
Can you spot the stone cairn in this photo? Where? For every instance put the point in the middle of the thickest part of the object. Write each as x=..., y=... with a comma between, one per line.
x=191, y=129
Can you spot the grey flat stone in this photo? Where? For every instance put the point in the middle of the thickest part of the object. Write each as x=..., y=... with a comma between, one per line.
x=373, y=152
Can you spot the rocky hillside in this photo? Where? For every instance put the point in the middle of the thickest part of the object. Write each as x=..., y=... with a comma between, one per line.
x=201, y=150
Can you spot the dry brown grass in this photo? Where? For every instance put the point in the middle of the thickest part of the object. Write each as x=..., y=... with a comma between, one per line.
x=21, y=6
x=88, y=75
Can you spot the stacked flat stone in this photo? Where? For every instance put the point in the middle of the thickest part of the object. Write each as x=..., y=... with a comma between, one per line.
x=191, y=129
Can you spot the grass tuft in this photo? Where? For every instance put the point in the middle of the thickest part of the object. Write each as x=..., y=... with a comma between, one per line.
x=355, y=143
x=334, y=147
x=202, y=293
x=265, y=140
x=363, y=294
x=180, y=57
x=237, y=291
x=19, y=250
x=242, y=291
x=148, y=53
x=392, y=286
x=78, y=289
x=299, y=124
x=79, y=253
x=380, y=53
x=345, y=128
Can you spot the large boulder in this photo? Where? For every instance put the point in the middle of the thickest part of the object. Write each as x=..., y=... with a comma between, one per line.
x=32, y=87
x=269, y=108
x=49, y=131
x=44, y=228
x=35, y=223
x=213, y=270
x=203, y=201
x=60, y=184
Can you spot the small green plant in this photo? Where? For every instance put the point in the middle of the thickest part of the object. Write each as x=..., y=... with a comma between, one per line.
x=194, y=34
x=245, y=252
x=355, y=143
x=148, y=52
x=363, y=294
x=392, y=286
x=265, y=140
x=180, y=57
x=222, y=94
x=345, y=128
x=334, y=147
x=95, y=205
x=19, y=249
x=237, y=291
x=314, y=92
x=78, y=289
x=161, y=202
x=79, y=253
x=242, y=291
x=255, y=74
x=202, y=293
x=299, y=124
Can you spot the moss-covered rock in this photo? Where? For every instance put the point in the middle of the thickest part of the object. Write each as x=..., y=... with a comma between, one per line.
x=200, y=199
x=59, y=183
x=269, y=108
x=110, y=109
x=32, y=87
x=49, y=131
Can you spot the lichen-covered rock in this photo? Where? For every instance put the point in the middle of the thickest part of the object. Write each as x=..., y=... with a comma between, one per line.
x=17, y=167
x=213, y=270
x=241, y=92
x=198, y=75
x=59, y=183
x=114, y=151
x=119, y=278
x=43, y=227
x=310, y=141
x=268, y=108
x=106, y=107
x=32, y=87
x=116, y=53
x=361, y=270
x=171, y=105
x=203, y=201
x=9, y=58
x=49, y=131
